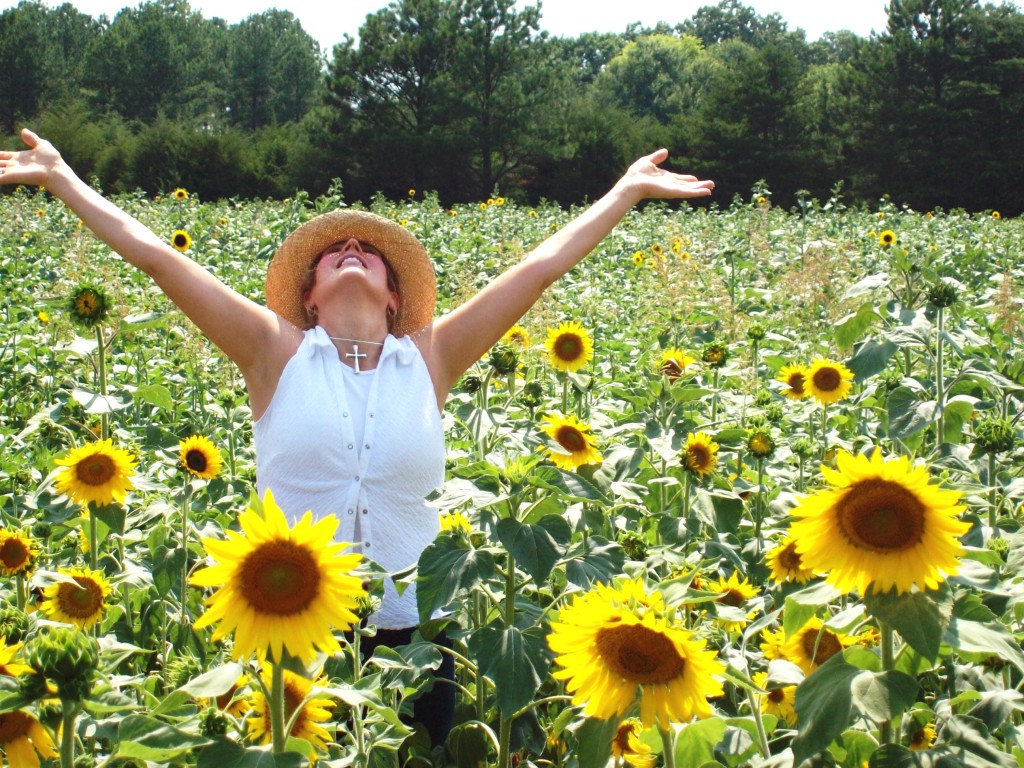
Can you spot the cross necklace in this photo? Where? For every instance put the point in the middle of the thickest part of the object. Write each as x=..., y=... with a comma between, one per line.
x=355, y=353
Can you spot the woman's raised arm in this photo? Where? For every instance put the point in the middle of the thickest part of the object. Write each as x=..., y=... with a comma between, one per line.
x=240, y=327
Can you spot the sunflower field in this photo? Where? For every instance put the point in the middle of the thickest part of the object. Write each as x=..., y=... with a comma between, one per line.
x=743, y=489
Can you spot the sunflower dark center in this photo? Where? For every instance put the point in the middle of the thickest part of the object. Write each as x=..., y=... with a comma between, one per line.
x=639, y=654
x=196, y=460
x=13, y=553
x=820, y=646
x=13, y=726
x=97, y=469
x=881, y=516
x=571, y=439
x=86, y=303
x=732, y=597
x=622, y=737
x=180, y=240
x=776, y=696
x=568, y=347
x=796, y=383
x=789, y=558
x=293, y=700
x=827, y=379
x=760, y=444
x=280, y=578
x=80, y=600
x=672, y=369
x=697, y=457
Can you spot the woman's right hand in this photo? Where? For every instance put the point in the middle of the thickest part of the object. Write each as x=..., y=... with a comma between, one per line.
x=34, y=166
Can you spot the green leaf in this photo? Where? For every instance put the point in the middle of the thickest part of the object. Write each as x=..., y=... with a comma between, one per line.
x=990, y=639
x=469, y=745
x=516, y=660
x=870, y=358
x=907, y=413
x=216, y=682
x=971, y=735
x=535, y=551
x=594, y=742
x=97, y=404
x=881, y=696
x=801, y=606
x=600, y=561
x=955, y=415
x=867, y=285
x=144, y=738
x=228, y=754
x=824, y=706
x=919, y=617
x=852, y=328
x=446, y=566
x=156, y=394
x=695, y=743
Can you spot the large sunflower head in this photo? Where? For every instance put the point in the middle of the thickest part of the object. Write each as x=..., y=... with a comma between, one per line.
x=88, y=305
x=786, y=564
x=616, y=643
x=569, y=347
x=200, y=457
x=574, y=445
x=673, y=362
x=24, y=740
x=828, y=381
x=315, y=710
x=882, y=524
x=794, y=379
x=80, y=599
x=18, y=553
x=814, y=644
x=97, y=473
x=780, y=701
x=700, y=456
x=280, y=588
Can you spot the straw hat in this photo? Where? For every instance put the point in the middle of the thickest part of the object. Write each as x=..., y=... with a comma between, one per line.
x=417, y=288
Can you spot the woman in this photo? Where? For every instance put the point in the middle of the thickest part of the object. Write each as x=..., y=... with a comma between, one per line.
x=346, y=367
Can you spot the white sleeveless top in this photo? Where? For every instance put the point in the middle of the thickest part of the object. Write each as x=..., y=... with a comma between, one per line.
x=308, y=454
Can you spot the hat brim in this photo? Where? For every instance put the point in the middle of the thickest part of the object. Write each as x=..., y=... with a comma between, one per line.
x=288, y=270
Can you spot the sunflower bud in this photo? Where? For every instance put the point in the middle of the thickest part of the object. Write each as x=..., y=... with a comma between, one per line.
x=504, y=358
x=802, y=447
x=366, y=606
x=68, y=657
x=13, y=625
x=633, y=545
x=942, y=294
x=993, y=435
x=180, y=670
x=471, y=383
x=756, y=332
x=714, y=354
x=760, y=444
x=774, y=413
x=762, y=397
x=88, y=306
x=33, y=687
x=531, y=394
x=1000, y=546
x=213, y=722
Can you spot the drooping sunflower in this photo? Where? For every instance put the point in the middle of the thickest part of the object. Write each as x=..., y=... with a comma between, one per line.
x=576, y=446
x=81, y=600
x=786, y=564
x=455, y=521
x=8, y=666
x=234, y=701
x=828, y=381
x=882, y=524
x=88, y=305
x=180, y=194
x=780, y=701
x=700, y=456
x=673, y=362
x=794, y=377
x=615, y=643
x=814, y=644
x=181, y=240
x=24, y=740
x=714, y=354
x=734, y=593
x=569, y=347
x=518, y=336
x=200, y=457
x=886, y=238
x=307, y=725
x=627, y=745
x=97, y=473
x=280, y=588
x=18, y=553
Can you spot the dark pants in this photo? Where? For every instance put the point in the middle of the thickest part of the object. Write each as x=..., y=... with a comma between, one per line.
x=435, y=709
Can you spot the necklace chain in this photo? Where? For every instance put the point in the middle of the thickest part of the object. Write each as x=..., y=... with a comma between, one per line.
x=356, y=341
x=355, y=354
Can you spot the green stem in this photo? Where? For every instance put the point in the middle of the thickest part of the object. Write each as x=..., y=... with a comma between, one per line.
x=714, y=397
x=505, y=727
x=759, y=513
x=565, y=394
x=667, y=747
x=939, y=393
x=885, y=630
x=357, y=710
x=824, y=432
x=185, y=499
x=762, y=735
x=277, y=708
x=993, y=493
x=101, y=367
x=69, y=712
x=686, y=493
x=93, y=535
x=20, y=592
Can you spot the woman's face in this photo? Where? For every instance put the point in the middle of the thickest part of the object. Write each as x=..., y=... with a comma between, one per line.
x=352, y=257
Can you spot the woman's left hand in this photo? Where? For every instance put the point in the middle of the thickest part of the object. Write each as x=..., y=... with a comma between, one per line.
x=645, y=179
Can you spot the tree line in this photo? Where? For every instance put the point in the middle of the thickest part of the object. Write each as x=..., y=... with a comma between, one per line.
x=470, y=98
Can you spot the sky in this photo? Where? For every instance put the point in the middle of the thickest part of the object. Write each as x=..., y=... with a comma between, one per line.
x=329, y=20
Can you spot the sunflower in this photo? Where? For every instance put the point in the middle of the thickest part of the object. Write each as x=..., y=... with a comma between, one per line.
x=80, y=600
x=780, y=702
x=455, y=521
x=700, y=454
x=795, y=379
x=18, y=553
x=517, y=336
x=673, y=362
x=827, y=381
x=881, y=525
x=638, y=259
x=24, y=740
x=88, y=305
x=773, y=643
x=575, y=446
x=307, y=724
x=230, y=702
x=786, y=564
x=8, y=666
x=760, y=443
x=615, y=642
x=97, y=473
x=569, y=347
x=886, y=237
x=922, y=737
x=735, y=594
x=814, y=644
x=181, y=240
x=714, y=354
x=200, y=457
x=627, y=745
x=280, y=587
x=180, y=194
x=996, y=215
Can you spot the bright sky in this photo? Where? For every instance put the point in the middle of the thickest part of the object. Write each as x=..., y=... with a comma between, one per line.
x=328, y=21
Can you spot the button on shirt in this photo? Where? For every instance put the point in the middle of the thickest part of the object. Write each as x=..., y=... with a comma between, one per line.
x=314, y=454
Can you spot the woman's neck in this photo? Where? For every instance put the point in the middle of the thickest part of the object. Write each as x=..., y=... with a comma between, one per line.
x=359, y=345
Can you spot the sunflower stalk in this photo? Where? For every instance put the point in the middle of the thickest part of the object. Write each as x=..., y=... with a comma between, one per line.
x=357, y=710
x=939, y=393
x=993, y=494
x=186, y=498
x=759, y=507
x=668, y=749
x=886, y=642
x=762, y=735
x=276, y=704
x=505, y=726
x=21, y=595
x=101, y=367
x=93, y=536
x=69, y=713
